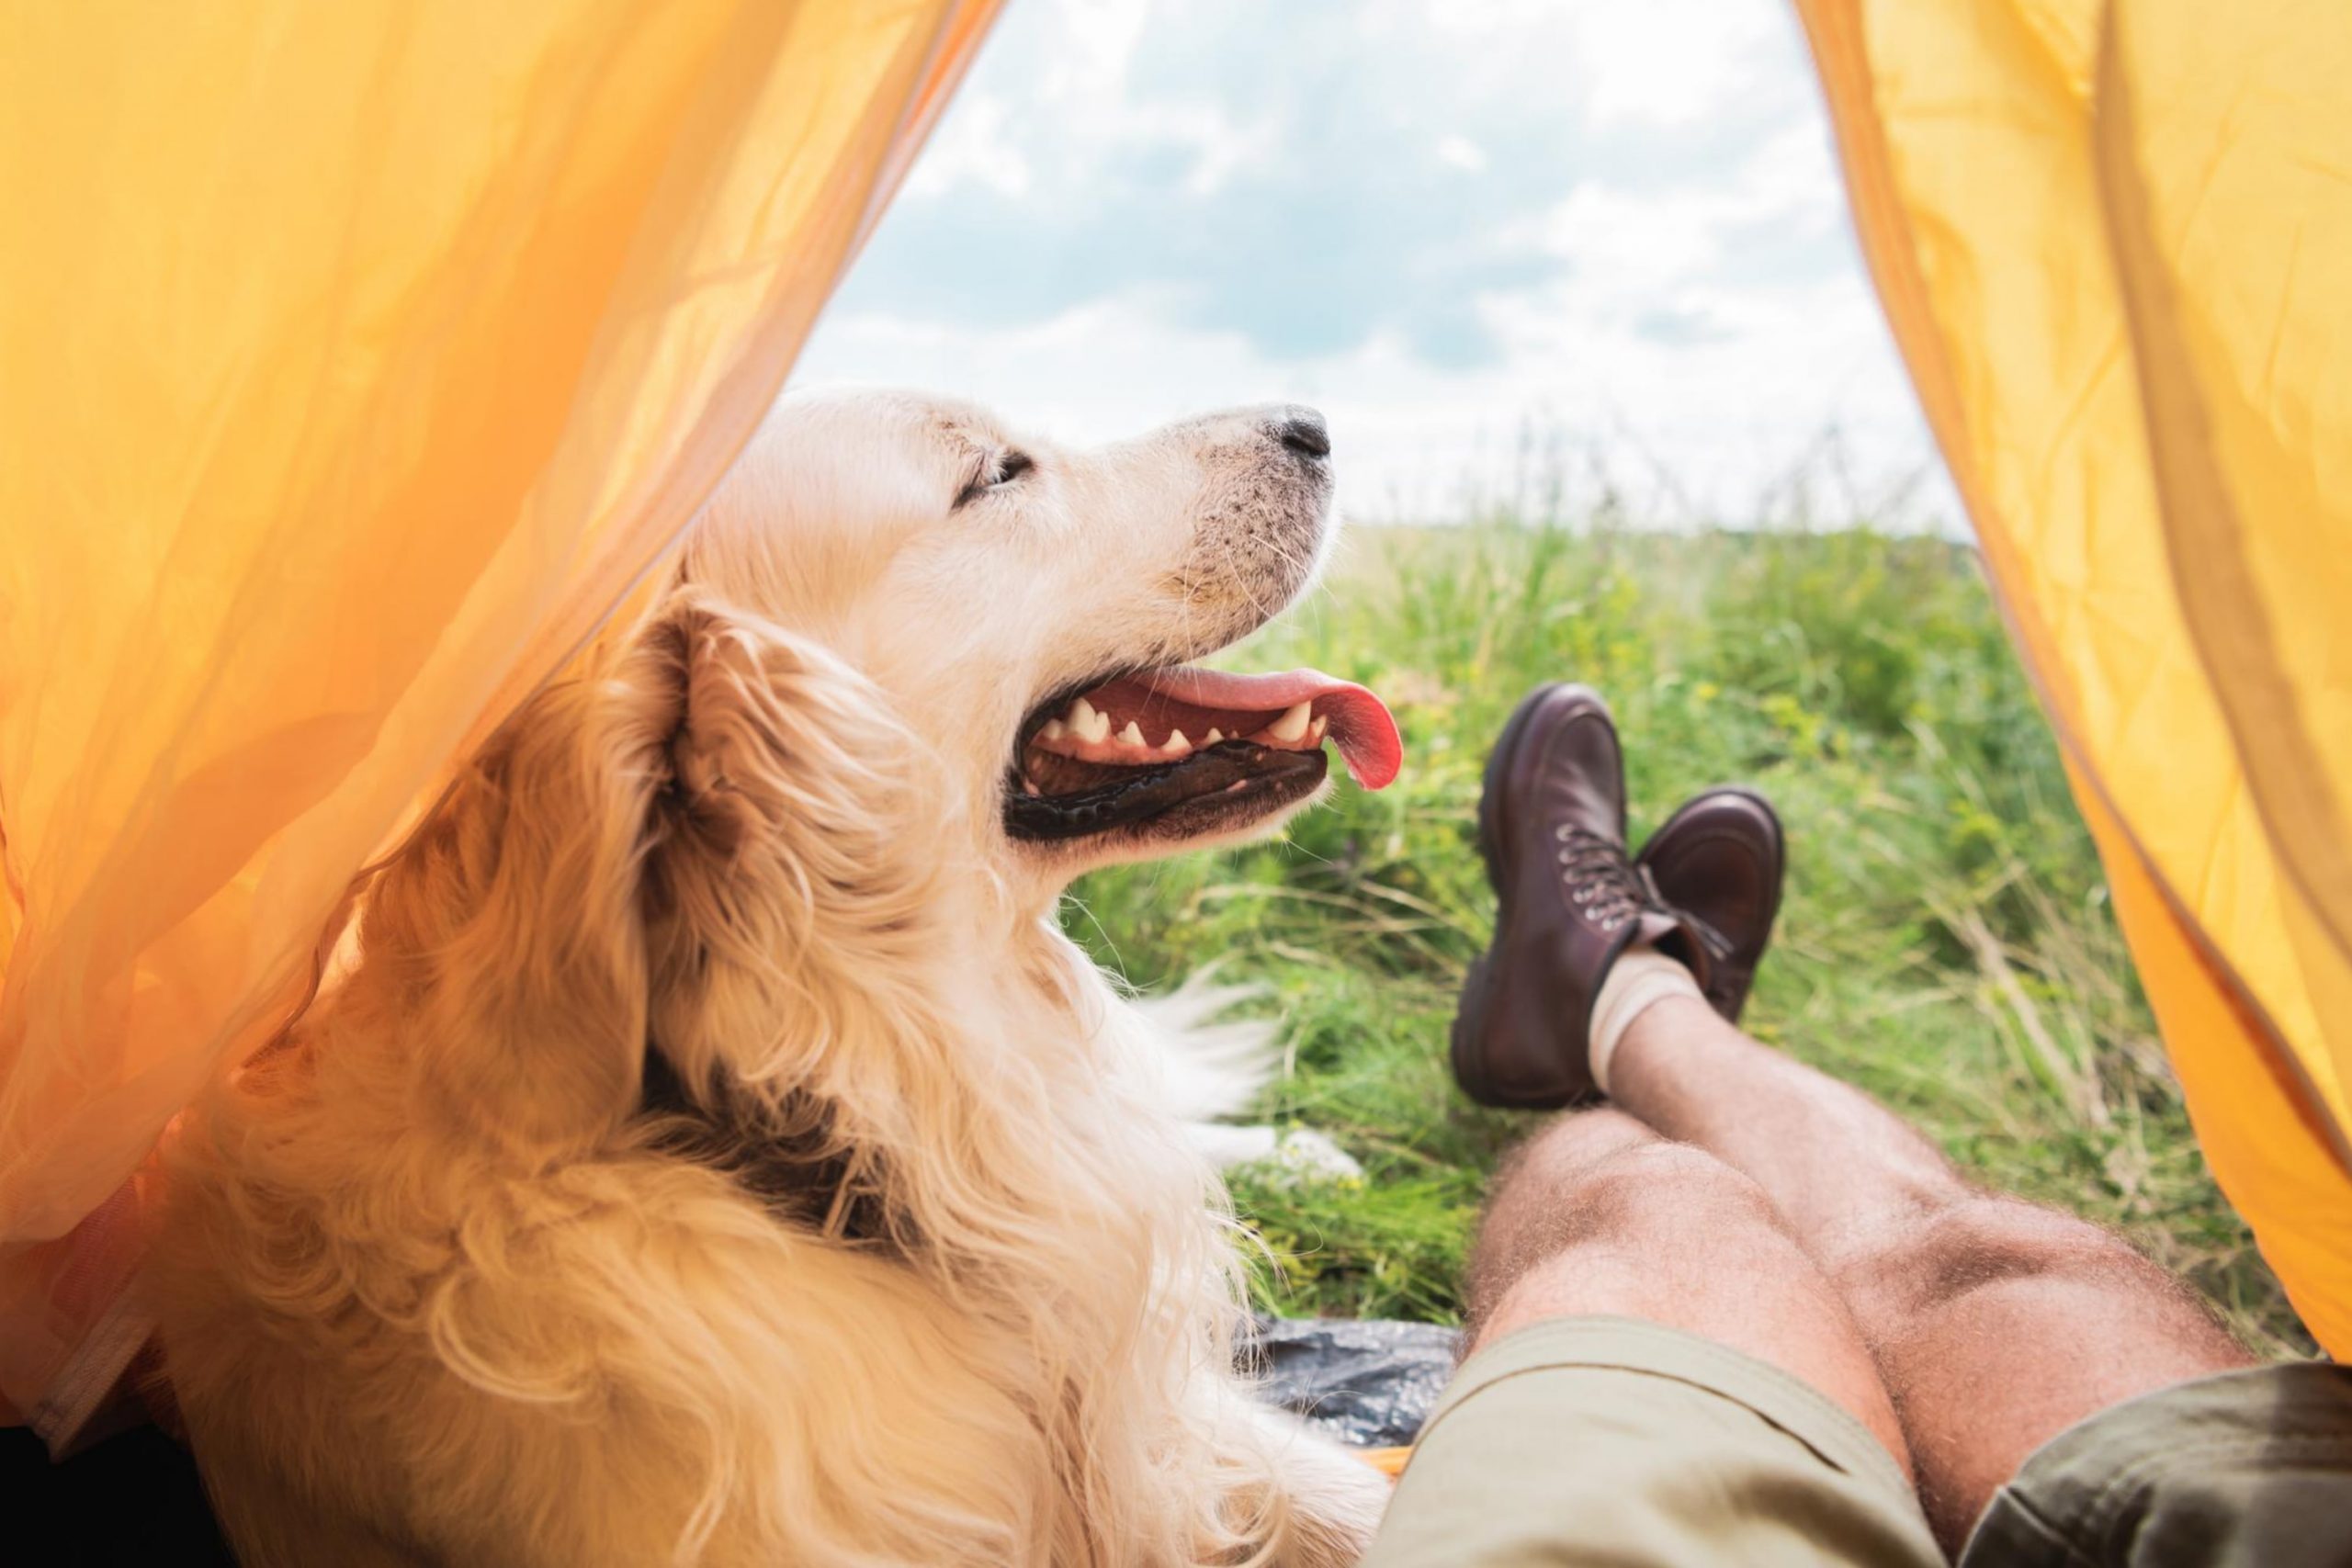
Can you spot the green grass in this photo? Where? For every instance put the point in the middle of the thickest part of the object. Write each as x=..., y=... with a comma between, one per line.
x=1946, y=943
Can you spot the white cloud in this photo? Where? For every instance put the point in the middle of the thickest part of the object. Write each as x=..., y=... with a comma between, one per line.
x=1654, y=63
x=1459, y=152
x=973, y=148
x=1684, y=434
x=1675, y=62
x=1141, y=208
x=1079, y=109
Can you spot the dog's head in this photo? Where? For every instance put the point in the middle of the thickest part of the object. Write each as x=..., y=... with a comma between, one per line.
x=914, y=671
x=1028, y=609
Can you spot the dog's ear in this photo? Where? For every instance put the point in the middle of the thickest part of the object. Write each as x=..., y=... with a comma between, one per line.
x=509, y=929
x=697, y=845
x=793, y=873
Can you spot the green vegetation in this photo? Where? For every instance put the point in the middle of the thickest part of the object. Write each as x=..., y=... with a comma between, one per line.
x=1946, y=941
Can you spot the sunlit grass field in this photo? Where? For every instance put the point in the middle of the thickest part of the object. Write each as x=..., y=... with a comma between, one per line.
x=1946, y=941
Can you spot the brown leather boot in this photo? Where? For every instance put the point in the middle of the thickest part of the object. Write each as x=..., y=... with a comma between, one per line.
x=1718, y=862
x=1552, y=826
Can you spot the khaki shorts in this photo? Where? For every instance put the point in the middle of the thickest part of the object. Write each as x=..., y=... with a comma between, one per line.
x=1603, y=1440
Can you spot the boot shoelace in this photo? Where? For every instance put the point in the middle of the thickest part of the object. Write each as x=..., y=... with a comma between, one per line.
x=1601, y=881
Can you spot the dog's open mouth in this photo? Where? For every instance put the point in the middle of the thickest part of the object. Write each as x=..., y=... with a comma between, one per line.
x=1190, y=751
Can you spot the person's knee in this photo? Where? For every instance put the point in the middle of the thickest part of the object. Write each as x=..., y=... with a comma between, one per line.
x=1641, y=1195
x=1667, y=1234
x=1645, y=1194
x=1630, y=1222
x=1985, y=1242
x=1571, y=1145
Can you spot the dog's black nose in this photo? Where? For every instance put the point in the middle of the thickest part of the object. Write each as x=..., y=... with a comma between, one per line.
x=1303, y=430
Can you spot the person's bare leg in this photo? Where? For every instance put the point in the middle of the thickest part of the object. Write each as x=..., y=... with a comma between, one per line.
x=1597, y=1215
x=1995, y=1323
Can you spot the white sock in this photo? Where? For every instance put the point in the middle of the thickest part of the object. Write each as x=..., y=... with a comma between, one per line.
x=1641, y=976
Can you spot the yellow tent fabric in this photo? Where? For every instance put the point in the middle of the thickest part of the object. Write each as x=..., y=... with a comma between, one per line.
x=2114, y=239
x=357, y=358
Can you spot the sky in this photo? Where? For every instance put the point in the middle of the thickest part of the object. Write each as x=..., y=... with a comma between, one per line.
x=1540, y=254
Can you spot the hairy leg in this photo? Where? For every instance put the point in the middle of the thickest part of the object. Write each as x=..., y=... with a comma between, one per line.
x=1995, y=1323
x=1599, y=1215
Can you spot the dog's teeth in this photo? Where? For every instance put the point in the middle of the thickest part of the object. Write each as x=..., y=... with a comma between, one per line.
x=1176, y=745
x=1314, y=731
x=1055, y=729
x=1292, y=726
x=1028, y=786
x=1087, y=724
x=1215, y=735
x=1132, y=735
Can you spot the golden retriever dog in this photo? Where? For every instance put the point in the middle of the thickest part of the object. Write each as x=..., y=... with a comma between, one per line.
x=710, y=1151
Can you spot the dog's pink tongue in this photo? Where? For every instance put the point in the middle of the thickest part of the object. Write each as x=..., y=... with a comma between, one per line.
x=1361, y=725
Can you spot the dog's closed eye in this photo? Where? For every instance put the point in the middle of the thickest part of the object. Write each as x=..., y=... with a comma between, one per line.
x=1003, y=470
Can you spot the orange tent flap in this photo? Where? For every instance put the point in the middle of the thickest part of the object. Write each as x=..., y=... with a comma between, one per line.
x=363, y=356
x=2110, y=236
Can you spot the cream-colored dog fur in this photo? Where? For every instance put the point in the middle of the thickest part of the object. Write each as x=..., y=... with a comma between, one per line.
x=439, y=1288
